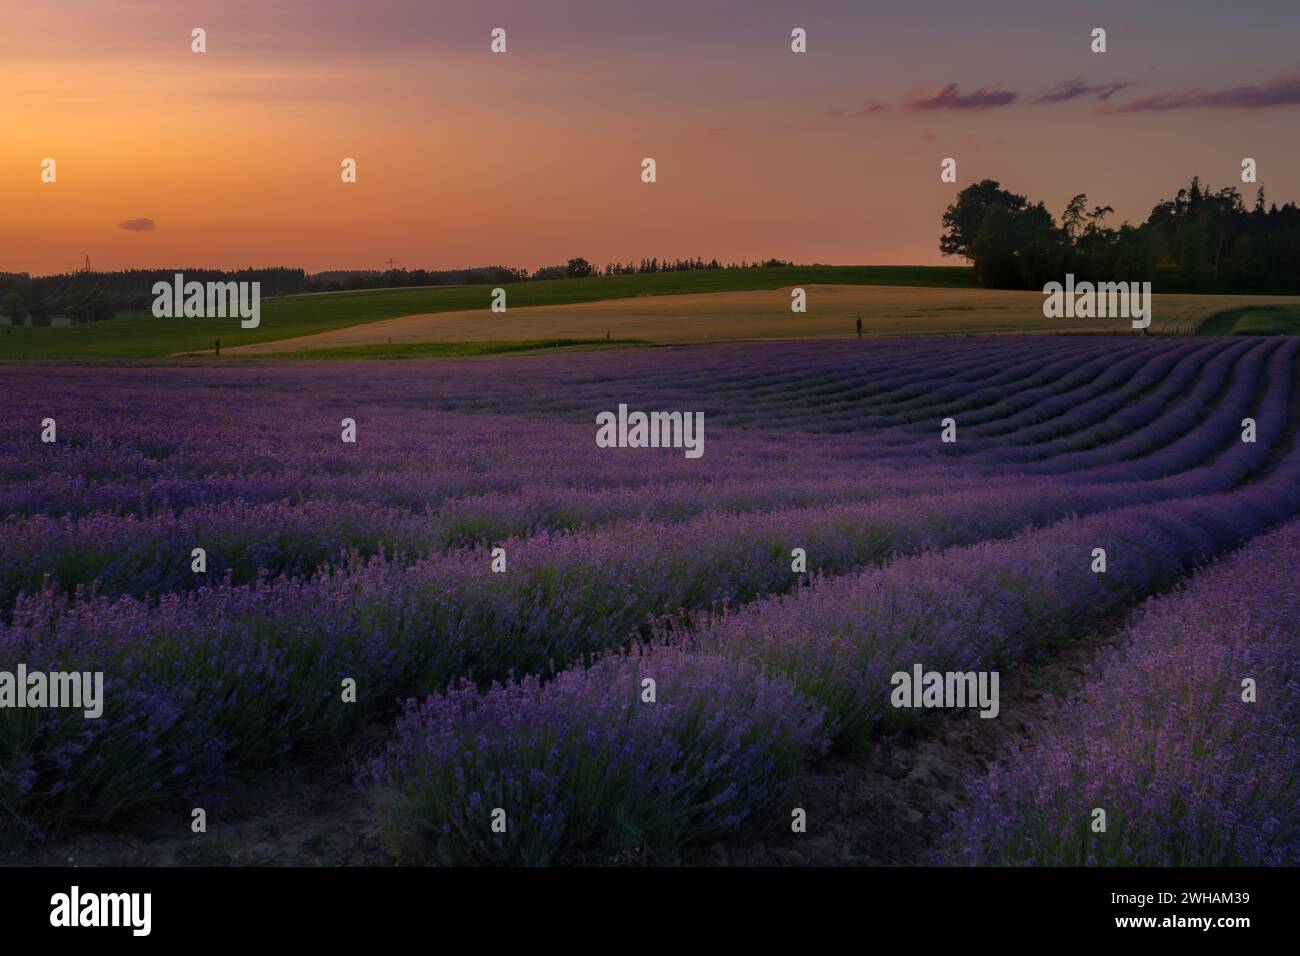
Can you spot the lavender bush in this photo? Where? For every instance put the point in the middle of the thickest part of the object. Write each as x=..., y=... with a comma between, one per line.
x=586, y=765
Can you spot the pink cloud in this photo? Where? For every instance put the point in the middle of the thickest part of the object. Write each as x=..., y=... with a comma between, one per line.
x=866, y=110
x=1277, y=91
x=1073, y=89
x=947, y=97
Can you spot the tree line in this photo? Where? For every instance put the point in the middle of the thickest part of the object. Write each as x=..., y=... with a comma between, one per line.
x=87, y=296
x=578, y=268
x=1202, y=240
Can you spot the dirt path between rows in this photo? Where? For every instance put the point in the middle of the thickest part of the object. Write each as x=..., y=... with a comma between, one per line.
x=883, y=807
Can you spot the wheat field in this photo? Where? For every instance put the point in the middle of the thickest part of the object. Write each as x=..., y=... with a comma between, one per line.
x=832, y=312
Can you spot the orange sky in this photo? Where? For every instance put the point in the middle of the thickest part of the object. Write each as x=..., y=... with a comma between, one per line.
x=531, y=157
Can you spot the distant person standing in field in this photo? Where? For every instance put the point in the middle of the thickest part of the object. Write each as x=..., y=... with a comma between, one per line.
x=859, y=326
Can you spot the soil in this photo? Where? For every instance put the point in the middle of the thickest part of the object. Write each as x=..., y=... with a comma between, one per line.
x=884, y=807
x=322, y=823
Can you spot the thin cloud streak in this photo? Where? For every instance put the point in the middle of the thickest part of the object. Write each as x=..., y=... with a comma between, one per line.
x=865, y=110
x=1277, y=91
x=1073, y=89
x=948, y=97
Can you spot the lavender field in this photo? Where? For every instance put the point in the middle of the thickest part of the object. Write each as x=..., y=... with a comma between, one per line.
x=475, y=615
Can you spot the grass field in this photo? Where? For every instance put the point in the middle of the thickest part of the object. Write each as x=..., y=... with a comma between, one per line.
x=444, y=321
x=143, y=336
x=1281, y=320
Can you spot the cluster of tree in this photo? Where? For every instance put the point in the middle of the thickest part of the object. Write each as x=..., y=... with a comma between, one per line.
x=573, y=269
x=88, y=309
x=578, y=268
x=86, y=296
x=89, y=305
x=685, y=265
x=353, y=279
x=13, y=308
x=1199, y=241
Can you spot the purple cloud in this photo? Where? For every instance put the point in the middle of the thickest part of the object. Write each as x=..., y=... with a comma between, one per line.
x=1073, y=89
x=947, y=97
x=138, y=225
x=866, y=110
x=1277, y=91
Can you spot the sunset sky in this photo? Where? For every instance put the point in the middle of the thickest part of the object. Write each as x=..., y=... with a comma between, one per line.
x=532, y=157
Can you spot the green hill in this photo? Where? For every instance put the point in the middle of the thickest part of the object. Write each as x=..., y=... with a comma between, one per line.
x=1264, y=320
x=143, y=336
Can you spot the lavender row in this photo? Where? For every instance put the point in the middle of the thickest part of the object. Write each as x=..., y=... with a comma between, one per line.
x=1186, y=739
x=153, y=555
x=1051, y=437
x=143, y=463
x=1065, y=399
x=239, y=677
x=950, y=382
x=558, y=763
x=281, y=647
x=150, y=556
x=998, y=411
x=114, y=457
x=1090, y=420
x=1109, y=418
x=836, y=643
x=1198, y=425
